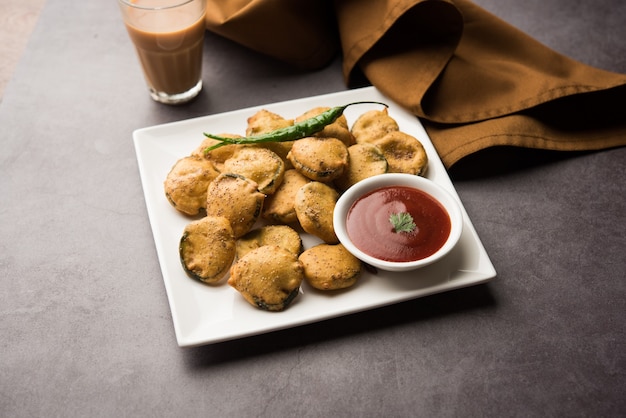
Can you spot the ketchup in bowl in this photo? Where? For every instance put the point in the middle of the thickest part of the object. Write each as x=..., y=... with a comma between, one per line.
x=369, y=226
x=398, y=222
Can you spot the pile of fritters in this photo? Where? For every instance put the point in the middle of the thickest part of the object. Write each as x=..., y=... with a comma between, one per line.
x=288, y=186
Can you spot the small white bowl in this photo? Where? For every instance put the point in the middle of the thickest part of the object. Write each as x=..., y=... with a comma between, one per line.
x=370, y=184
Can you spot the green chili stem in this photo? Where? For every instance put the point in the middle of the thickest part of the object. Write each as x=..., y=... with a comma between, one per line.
x=298, y=130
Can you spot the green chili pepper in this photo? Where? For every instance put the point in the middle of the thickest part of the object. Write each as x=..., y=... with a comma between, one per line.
x=290, y=133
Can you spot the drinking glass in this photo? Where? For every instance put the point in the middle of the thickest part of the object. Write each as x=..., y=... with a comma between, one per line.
x=168, y=36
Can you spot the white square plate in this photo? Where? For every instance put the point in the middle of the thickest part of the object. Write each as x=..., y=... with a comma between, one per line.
x=205, y=314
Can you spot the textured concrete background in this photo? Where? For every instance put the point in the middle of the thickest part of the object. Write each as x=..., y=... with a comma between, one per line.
x=85, y=325
x=17, y=20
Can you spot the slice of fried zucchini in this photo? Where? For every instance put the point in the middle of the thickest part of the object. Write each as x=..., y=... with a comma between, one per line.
x=265, y=121
x=261, y=165
x=218, y=155
x=404, y=153
x=315, y=203
x=320, y=159
x=207, y=249
x=373, y=125
x=279, y=207
x=366, y=160
x=268, y=277
x=186, y=184
x=237, y=199
x=330, y=267
x=282, y=235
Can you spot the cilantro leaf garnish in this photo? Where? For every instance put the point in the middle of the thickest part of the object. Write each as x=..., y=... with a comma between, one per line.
x=402, y=222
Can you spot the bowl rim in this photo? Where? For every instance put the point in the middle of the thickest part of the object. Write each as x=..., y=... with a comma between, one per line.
x=437, y=192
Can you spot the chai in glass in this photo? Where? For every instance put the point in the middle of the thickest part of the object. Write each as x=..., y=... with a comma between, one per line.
x=168, y=36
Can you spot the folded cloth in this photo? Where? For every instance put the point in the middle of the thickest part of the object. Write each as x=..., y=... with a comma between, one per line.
x=302, y=33
x=473, y=80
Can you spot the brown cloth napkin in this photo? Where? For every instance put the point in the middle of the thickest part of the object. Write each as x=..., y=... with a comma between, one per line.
x=472, y=79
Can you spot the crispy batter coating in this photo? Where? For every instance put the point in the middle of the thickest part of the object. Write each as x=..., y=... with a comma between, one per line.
x=268, y=277
x=366, y=160
x=265, y=121
x=218, y=155
x=330, y=267
x=207, y=248
x=280, y=206
x=187, y=182
x=281, y=149
x=258, y=164
x=404, y=153
x=282, y=235
x=320, y=159
x=373, y=125
x=315, y=203
x=338, y=129
x=237, y=199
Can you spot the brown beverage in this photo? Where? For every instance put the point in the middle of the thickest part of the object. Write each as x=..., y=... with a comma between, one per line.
x=169, y=44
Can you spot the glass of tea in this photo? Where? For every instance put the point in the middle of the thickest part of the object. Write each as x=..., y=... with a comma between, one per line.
x=168, y=36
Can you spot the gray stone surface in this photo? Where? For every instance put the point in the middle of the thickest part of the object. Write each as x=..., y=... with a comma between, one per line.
x=85, y=325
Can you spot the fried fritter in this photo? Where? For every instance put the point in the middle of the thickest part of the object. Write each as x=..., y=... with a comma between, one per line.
x=207, y=248
x=237, y=199
x=218, y=155
x=268, y=277
x=187, y=182
x=280, y=206
x=373, y=125
x=330, y=267
x=265, y=121
x=366, y=160
x=404, y=153
x=320, y=159
x=315, y=203
x=257, y=164
x=282, y=235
